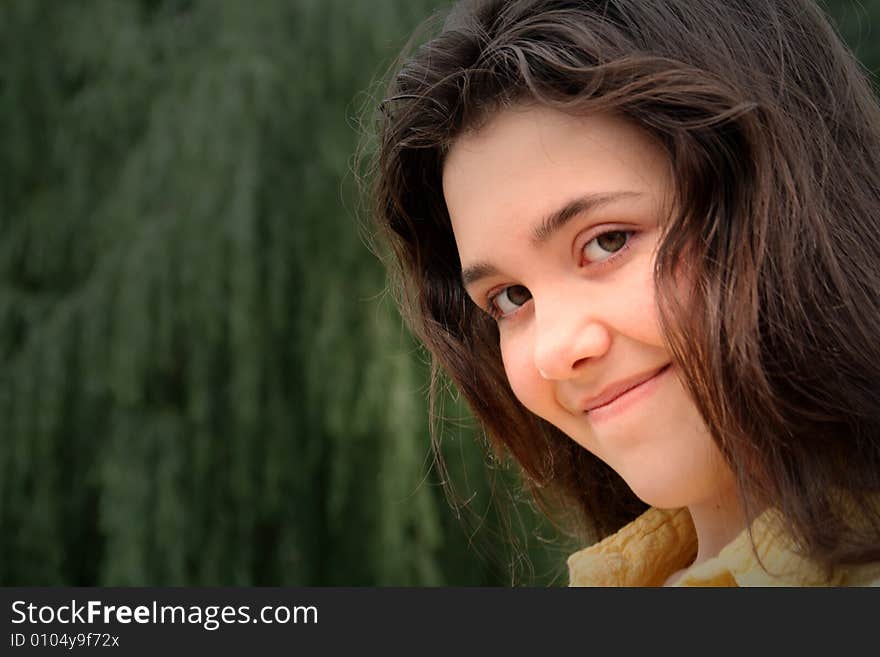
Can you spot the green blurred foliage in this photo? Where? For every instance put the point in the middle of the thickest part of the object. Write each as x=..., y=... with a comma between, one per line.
x=202, y=381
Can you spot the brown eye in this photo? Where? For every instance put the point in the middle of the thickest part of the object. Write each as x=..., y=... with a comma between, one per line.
x=510, y=299
x=605, y=245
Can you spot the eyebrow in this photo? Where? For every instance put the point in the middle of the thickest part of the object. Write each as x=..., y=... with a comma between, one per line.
x=549, y=226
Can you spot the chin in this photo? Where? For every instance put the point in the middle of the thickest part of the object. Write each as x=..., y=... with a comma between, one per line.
x=659, y=497
x=672, y=483
x=666, y=486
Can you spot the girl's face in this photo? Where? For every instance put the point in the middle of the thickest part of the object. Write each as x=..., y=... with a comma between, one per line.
x=557, y=220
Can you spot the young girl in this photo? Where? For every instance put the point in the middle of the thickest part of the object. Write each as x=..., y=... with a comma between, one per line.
x=643, y=239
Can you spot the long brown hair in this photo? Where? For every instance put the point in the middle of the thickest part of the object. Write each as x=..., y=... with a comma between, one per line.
x=773, y=135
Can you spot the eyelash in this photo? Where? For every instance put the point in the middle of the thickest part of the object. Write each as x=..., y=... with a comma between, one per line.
x=498, y=315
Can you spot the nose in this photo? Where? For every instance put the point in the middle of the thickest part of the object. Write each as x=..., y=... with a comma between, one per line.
x=567, y=336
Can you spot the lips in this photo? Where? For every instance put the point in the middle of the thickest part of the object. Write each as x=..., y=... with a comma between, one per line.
x=619, y=388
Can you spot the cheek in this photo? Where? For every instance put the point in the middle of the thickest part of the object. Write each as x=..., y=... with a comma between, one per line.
x=527, y=384
x=638, y=316
x=646, y=326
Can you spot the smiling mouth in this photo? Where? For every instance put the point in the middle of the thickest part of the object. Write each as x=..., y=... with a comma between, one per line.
x=606, y=403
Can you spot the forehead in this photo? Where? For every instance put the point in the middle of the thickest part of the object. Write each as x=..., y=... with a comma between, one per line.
x=526, y=162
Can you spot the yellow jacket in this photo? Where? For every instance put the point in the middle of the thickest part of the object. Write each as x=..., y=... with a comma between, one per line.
x=659, y=543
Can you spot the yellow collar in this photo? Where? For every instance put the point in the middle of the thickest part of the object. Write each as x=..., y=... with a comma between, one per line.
x=659, y=542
